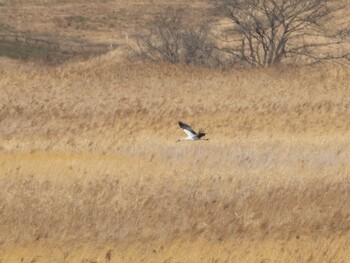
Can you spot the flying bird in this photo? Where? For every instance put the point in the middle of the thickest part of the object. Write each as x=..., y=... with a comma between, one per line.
x=191, y=134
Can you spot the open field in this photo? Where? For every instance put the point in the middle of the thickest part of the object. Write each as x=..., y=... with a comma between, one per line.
x=56, y=31
x=89, y=159
x=90, y=170
x=99, y=21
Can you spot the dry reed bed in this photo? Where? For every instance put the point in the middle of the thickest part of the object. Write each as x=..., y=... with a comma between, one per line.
x=107, y=93
x=90, y=171
x=89, y=159
x=83, y=206
x=303, y=249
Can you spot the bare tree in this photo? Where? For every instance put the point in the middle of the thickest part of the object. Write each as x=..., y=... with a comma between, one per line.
x=265, y=32
x=197, y=47
x=170, y=38
x=162, y=39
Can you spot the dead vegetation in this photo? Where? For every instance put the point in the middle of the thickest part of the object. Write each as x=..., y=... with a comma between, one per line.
x=170, y=38
x=264, y=33
x=255, y=33
x=93, y=155
x=90, y=171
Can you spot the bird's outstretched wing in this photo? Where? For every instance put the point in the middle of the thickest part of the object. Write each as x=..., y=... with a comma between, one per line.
x=187, y=129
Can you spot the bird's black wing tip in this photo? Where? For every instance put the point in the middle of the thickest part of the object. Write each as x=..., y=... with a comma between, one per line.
x=201, y=134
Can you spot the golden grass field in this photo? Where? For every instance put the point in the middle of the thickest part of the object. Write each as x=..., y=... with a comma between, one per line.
x=90, y=170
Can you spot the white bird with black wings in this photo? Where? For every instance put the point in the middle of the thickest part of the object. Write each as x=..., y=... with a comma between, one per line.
x=191, y=134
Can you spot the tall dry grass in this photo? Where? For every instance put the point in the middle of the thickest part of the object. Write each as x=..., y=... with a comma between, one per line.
x=90, y=171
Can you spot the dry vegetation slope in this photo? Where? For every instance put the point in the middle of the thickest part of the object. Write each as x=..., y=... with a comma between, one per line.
x=94, y=20
x=90, y=171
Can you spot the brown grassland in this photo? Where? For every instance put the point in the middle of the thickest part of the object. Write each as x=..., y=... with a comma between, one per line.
x=90, y=170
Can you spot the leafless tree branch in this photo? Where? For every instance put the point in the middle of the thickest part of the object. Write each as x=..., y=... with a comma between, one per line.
x=271, y=31
x=169, y=38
